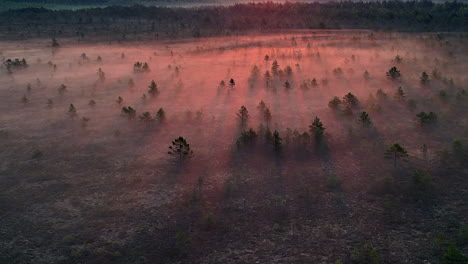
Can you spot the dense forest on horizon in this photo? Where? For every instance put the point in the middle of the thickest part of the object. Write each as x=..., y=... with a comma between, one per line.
x=149, y=22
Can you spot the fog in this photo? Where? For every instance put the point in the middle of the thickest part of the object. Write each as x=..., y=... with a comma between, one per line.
x=114, y=172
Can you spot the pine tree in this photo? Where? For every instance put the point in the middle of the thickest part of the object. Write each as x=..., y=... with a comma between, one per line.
x=350, y=100
x=153, y=88
x=161, y=115
x=424, y=78
x=277, y=142
x=400, y=94
x=243, y=115
x=180, y=148
x=396, y=152
x=72, y=112
x=317, y=128
x=364, y=119
x=393, y=73
x=334, y=103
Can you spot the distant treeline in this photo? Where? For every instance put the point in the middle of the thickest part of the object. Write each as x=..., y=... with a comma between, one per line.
x=218, y=20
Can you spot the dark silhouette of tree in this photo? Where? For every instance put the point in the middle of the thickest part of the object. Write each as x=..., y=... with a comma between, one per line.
x=261, y=106
x=427, y=118
x=222, y=84
x=275, y=67
x=267, y=79
x=62, y=89
x=350, y=100
x=92, y=103
x=153, y=89
x=247, y=138
x=334, y=103
x=424, y=78
x=140, y=67
x=84, y=121
x=400, y=94
x=232, y=83
x=161, y=115
x=129, y=112
x=130, y=83
x=381, y=95
x=119, y=100
x=180, y=148
x=393, y=73
x=364, y=119
x=101, y=75
x=287, y=85
x=288, y=70
x=243, y=115
x=55, y=43
x=366, y=75
x=72, y=112
x=267, y=58
x=15, y=64
x=146, y=117
x=84, y=57
x=398, y=59
x=317, y=129
x=267, y=115
x=396, y=152
x=314, y=83
x=277, y=142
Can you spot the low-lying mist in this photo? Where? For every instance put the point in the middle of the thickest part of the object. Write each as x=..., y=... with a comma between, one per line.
x=76, y=160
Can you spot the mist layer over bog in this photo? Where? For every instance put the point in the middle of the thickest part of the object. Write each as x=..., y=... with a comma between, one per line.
x=76, y=161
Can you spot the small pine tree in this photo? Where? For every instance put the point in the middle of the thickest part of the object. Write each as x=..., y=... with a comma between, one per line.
x=232, y=83
x=180, y=148
x=350, y=100
x=396, y=152
x=101, y=75
x=72, y=112
x=261, y=106
x=381, y=95
x=84, y=121
x=119, y=100
x=146, y=117
x=427, y=118
x=364, y=119
x=92, y=103
x=334, y=103
x=317, y=128
x=267, y=115
x=243, y=115
x=393, y=73
x=62, y=89
x=366, y=75
x=161, y=115
x=130, y=83
x=153, y=88
x=275, y=67
x=424, y=78
x=400, y=94
x=277, y=142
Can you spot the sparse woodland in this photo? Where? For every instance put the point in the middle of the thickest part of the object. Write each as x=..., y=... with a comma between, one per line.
x=305, y=146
